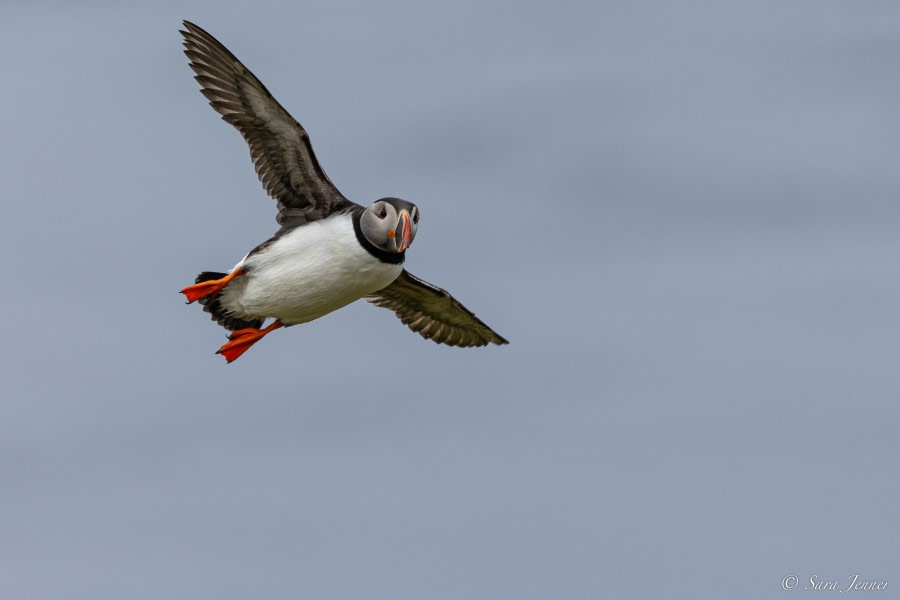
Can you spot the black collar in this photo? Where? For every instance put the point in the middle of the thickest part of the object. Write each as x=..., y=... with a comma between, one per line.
x=393, y=258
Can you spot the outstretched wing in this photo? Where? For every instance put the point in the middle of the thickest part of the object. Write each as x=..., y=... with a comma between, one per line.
x=433, y=313
x=279, y=146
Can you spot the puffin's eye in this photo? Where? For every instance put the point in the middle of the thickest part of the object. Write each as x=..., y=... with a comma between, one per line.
x=381, y=212
x=416, y=216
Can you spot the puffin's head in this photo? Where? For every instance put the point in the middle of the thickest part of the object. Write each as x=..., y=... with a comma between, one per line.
x=390, y=224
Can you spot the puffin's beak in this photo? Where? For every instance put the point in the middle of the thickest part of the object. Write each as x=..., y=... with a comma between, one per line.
x=405, y=231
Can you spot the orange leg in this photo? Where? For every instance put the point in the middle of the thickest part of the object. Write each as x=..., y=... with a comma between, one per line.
x=209, y=288
x=241, y=340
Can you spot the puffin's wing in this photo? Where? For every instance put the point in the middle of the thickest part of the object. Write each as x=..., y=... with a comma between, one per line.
x=279, y=146
x=433, y=313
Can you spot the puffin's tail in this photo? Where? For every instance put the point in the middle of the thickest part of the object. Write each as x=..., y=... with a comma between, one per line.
x=213, y=306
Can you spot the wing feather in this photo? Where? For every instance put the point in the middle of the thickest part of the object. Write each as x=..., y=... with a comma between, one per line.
x=279, y=146
x=433, y=313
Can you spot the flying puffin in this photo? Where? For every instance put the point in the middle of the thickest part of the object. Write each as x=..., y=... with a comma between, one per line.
x=329, y=251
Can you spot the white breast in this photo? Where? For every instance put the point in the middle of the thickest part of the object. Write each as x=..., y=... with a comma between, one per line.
x=308, y=272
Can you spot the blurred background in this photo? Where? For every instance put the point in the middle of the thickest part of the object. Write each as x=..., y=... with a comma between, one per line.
x=684, y=216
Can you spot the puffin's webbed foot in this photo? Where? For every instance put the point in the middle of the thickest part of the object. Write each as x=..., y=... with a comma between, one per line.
x=241, y=340
x=210, y=287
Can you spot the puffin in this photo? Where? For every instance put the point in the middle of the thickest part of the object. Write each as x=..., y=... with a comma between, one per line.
x=328, y=251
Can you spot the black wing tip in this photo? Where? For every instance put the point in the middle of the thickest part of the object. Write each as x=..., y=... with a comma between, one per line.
x=195, y=35
x=192, y=28
x=193, y=38
x=495, y=339
x=190, y=31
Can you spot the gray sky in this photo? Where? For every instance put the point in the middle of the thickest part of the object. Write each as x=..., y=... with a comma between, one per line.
x=684, y=217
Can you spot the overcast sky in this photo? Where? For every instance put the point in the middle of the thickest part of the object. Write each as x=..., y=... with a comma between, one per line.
x=683, y=216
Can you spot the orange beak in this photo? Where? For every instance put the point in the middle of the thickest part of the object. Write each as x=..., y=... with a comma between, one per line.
x=405, y=231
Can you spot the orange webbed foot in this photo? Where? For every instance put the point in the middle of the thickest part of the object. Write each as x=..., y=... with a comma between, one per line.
x=212, y=287
x=241, y=340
